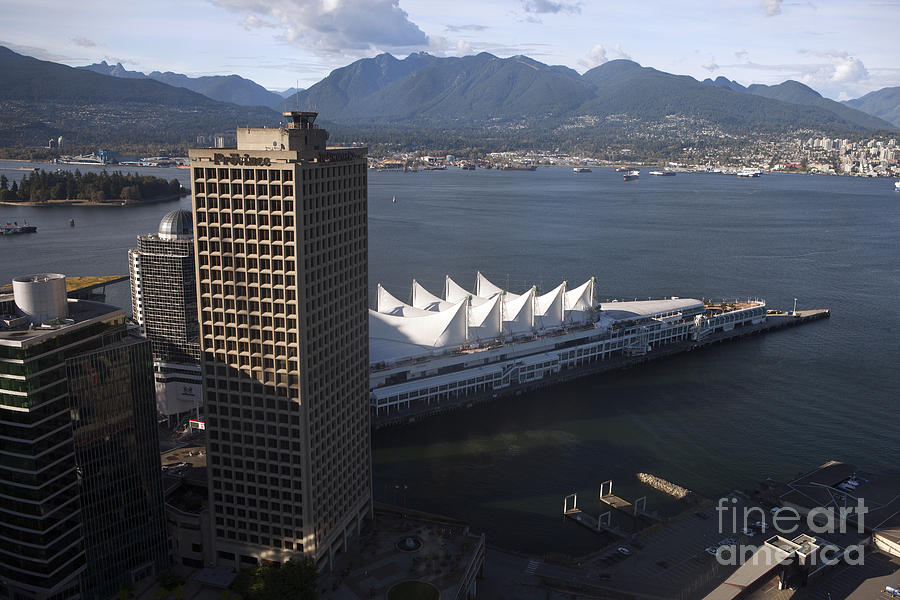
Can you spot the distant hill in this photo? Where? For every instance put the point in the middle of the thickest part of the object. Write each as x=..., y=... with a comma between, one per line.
x=224, y=88
x=797, y=93
x=289, y=92
x=41, y=99
x=884, y=104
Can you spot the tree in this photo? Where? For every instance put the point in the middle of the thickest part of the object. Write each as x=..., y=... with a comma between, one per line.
x=4, y=182
x=295, y=580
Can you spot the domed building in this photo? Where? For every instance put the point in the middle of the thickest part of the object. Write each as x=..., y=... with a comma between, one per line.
x=164, y=304
x=177, y=225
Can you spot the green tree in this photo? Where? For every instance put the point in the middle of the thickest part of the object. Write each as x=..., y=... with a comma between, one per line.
x=295, y=580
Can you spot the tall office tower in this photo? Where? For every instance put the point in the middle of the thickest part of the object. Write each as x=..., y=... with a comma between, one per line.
x=164, y=304
x=82, y=505
x=281, y=238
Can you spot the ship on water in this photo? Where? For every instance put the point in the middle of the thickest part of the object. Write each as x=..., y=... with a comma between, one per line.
x=664, y=173
x=581, y=169
x=14, y=228
x=514, y=167
x=438, y=351
x=749, y=173
x=631, y=175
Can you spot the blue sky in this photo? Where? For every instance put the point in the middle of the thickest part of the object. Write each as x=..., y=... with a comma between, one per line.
x=843, y=49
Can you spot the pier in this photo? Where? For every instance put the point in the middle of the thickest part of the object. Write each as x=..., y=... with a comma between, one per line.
x=603, y=524
x=775, y=320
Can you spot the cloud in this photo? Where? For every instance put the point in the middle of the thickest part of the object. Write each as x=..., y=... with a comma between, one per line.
x=772, y=7
x=550, y=6
x=83, y=42
x=710, y=66
x=335, y=27
x=841, y=68
x=38, y=53
x=741, y=54
x=599, y=54
x=460, y=28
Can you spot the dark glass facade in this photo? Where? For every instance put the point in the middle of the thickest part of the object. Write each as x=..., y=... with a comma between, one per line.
x=45, y=546
x=113, y=408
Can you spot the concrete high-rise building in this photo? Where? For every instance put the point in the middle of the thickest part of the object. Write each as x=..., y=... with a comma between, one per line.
x=281, y=239
x=82, y=505
x=164, y=304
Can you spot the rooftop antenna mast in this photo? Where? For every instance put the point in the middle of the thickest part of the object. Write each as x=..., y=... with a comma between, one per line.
x=297, y=93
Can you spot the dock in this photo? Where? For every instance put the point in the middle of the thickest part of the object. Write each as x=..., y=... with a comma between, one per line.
x=584, y=519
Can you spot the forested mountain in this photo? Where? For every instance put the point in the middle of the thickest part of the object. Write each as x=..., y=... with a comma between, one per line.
x=883, y=103
x=798, y=93
x=472, y=101
x=224, y=88
x=41, y=100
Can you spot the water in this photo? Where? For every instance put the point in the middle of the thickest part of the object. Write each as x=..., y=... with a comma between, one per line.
x=714, y=420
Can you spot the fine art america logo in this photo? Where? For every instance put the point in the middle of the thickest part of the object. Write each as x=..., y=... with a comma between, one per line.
x=786, y=523
x=241, y=159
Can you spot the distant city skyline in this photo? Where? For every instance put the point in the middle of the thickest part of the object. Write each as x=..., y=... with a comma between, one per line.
x=841, y=49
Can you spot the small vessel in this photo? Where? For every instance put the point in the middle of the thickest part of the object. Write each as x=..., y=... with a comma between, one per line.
x=581, y=170
x=749, y=173
x=71, y=222
x=512, y=167
x=663, y=173
x=394, y=200
x=624, y=169
x=897, y=186
x=14, y=227
x=467, y=167
x=631, y=175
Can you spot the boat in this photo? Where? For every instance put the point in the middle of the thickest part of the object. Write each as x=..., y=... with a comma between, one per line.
x=663, y=173
x=631, y=175
x=897, y=186
x=467, y=167
x=624, y=169
x=512, y=167
x=71, y=222
x=14, y=228
x=394, y=200
x=581, y=170
x=749, y=173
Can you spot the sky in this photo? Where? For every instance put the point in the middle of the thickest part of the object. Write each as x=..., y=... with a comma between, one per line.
x=842, y=49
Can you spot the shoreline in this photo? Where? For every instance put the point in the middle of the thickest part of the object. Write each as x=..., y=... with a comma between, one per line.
x=119, y=202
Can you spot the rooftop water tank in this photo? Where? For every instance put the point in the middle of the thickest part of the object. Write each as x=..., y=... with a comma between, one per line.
x=41, y=297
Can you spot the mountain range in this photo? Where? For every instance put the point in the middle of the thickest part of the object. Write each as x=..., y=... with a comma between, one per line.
x=224, y=88
x=495, y=101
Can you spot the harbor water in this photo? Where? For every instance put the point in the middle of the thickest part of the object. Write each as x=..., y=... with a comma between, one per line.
x=711, y=421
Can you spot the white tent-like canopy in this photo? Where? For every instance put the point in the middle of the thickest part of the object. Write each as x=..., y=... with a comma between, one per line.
x=422, y=298
x=430, y=324
x=394, y=338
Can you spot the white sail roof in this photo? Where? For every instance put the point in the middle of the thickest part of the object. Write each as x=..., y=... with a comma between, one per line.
x=425, y=300
x=579, y=302
x=548, y=308
x=518, y=314
x=393, y=338
x=485, y=320
x=453, y=292
x=485, y=288
x=389, y=305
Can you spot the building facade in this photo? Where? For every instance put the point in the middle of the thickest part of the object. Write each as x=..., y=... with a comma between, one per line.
x=79, y=465
x=281, y=242
x=164, y=304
